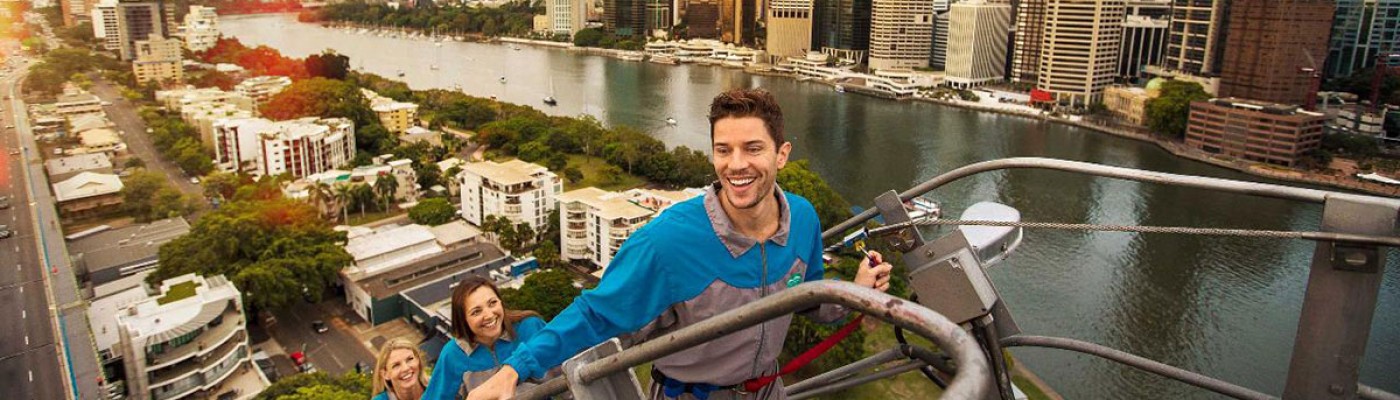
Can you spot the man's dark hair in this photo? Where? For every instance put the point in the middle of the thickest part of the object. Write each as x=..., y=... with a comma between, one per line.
x=740, y=103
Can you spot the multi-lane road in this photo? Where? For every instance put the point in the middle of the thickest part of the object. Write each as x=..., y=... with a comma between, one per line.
x=29, y=349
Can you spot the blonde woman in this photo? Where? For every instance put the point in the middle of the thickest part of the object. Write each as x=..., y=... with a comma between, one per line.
x=398, y=373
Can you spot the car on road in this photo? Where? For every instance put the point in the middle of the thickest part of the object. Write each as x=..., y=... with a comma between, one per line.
x=4, y=205
x=6, y=234
x=194, y=180
x=319, y=326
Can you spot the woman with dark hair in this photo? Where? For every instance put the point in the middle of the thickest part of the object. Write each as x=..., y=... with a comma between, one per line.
x=484, y=332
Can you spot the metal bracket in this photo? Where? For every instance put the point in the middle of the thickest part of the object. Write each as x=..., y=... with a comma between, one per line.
x=620, y=385
x=1356, y=258
x=892, y=210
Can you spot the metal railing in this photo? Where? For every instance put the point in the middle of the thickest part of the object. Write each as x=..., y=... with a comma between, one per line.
x=970, y=382
x=1341, y=295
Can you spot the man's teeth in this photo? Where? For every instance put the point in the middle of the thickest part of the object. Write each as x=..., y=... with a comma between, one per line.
x=740, y=182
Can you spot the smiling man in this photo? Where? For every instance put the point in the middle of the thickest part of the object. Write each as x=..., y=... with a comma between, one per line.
x=743, y=240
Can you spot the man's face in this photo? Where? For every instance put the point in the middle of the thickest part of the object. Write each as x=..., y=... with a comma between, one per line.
x=746, y=160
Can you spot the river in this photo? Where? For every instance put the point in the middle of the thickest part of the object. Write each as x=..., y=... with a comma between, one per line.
x=1226, y=307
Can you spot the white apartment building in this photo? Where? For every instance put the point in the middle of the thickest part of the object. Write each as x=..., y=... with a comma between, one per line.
x=977, y=35
x=300, y=147
x=202, y=117
x=566, y=17
x=519, y=191
x=901, y=34
x=306, y=146
x=104, y=25
x=1079, y=52
x=77, y=103
x=789, y=27
x=593, y=223
x=177, y=99
x=185, y=339
x=201, y=28
x=262, y=88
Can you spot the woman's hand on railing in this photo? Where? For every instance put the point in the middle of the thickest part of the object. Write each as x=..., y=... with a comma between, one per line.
x=501, y=386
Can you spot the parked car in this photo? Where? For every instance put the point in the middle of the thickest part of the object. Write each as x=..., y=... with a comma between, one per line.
x=6, y=234
x=319, y=326
x=4, y=205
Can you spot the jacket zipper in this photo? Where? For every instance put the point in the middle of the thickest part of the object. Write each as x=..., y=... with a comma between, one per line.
x=763, y=290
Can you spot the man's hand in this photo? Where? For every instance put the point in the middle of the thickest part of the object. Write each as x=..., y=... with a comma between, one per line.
x=874, y=276
x=501, y=386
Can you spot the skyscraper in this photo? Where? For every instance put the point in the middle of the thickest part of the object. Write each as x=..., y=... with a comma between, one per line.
x=1196, y=34
x=901, y=34
x=625, y=17
x=841, y=25
x=136, y=20
x=1079, y=49
x=702, y=19
x=1362, y=30
x=659, y=15
x=738, y=21
x=1030, y=29
x=1271, y=43
x=977, y=37
x=789, y=27
x=566, y=17
x=1144, y=42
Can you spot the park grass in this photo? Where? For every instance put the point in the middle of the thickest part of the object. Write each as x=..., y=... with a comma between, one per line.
x=592, y=169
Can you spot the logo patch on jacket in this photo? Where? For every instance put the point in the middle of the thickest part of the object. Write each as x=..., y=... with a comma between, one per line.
x=794, y=280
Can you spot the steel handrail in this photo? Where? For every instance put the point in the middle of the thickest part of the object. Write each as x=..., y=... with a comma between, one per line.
x=973, y=380
x=1224, y=185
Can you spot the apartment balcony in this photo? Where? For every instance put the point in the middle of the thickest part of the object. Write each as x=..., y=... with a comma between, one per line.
x=166, y=376
x=576, y=235
x=511, y=209
x=206, y=380
x=212, y=338
x=580, y=249
x=577, y=226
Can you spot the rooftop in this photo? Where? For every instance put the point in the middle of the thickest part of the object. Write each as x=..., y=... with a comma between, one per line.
x=607, y=205
x=86, y=184
x=467, y=259
x=99, y=137
x=455, y=232
x=122, y=246
x=86, y=122
x=180, y=312
x=386, y=240
x=436, y=291
x=71, y=164
x=102, y=312
x=511, y=172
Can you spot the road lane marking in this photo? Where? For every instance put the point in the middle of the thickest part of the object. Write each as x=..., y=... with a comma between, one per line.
x=26, y=340
x=31, y=375
x=23, y=313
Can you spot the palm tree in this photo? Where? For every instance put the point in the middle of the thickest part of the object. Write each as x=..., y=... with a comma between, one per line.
x=362, y=194
x=342, y=198
x=321, y=194
x=386, y=185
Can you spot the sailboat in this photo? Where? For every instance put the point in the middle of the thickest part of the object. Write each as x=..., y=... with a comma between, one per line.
x=549, y=99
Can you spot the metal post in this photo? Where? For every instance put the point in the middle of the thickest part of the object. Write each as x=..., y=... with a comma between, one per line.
x=1340, y=301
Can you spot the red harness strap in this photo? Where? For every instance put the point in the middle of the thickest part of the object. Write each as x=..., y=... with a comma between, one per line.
x=755, y=384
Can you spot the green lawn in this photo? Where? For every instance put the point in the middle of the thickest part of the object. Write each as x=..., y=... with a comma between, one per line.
x=178, y=292
x=592, y=168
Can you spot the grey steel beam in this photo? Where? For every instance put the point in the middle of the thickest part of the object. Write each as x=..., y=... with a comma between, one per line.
x=1343, y=284
x=867, y=378
x=1217, y=184
x=1135, y=361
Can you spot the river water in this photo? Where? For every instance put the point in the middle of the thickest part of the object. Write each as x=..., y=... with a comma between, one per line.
x=1227, y=307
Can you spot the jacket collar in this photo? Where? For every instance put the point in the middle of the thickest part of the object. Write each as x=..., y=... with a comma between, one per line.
x=468, y=346
x=736, y=242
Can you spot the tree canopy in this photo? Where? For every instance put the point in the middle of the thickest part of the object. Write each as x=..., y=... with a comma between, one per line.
x=796, y=177
x=319, y=386
x=547, y=292
x=325, y=98
x=148, y=196
x=432, y=212
x=1168, y=113
x=274, y=249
